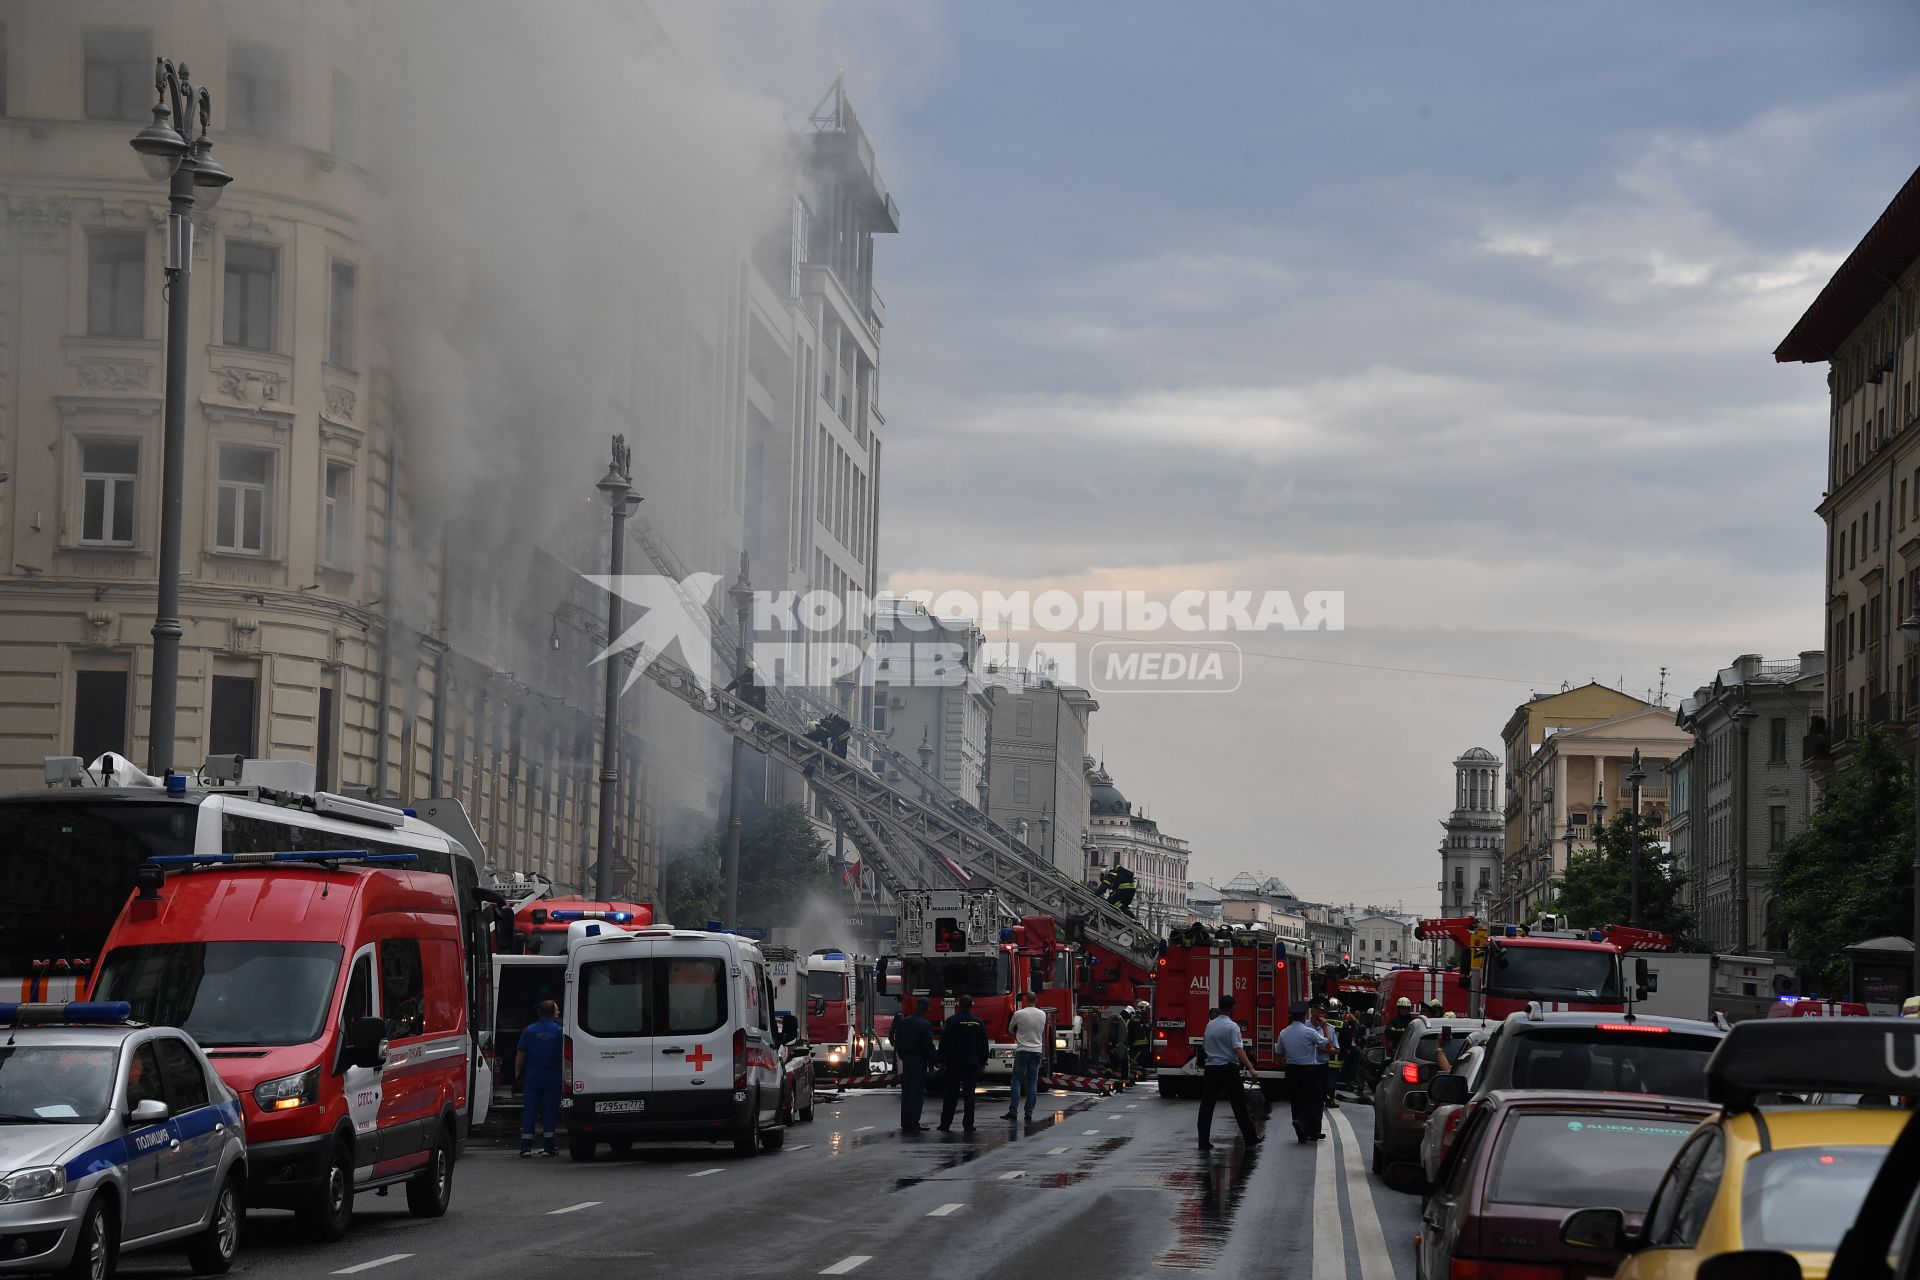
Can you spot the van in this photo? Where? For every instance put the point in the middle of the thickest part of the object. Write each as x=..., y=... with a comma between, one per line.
x=332, y=997
x=670, y=1037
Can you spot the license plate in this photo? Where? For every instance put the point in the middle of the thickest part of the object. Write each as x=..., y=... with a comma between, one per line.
x=620, y=1106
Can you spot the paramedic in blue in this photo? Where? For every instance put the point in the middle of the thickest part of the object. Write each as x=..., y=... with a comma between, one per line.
x=537, y=1064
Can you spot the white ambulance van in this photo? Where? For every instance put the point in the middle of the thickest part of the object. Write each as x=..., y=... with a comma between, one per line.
x=670, y=1037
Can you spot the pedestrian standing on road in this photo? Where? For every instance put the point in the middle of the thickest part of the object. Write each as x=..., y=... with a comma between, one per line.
x=1223, y=1057
x=913, y=1045
x=963, y=1053
x=537, y=1063
x=1029, y=1027
x=1301, y=1043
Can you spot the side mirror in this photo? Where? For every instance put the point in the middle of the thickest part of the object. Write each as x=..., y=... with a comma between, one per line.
x=367, y=1043
x=1417, y=1100
x=788, y=1030
x=148, y=1111
x=1408, y=1178
x=1447, y=1090
x=1750, y=1264
x=1604, y=1230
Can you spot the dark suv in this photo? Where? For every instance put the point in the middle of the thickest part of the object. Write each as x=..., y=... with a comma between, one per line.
x=1400, y=1100
x=1599, y=1052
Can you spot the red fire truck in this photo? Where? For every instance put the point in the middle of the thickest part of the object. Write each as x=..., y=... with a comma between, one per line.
x=1253, y=967
x=540, y=926
x=957, y=942
x=1814, y=1007
x=1504, y=968
x=842, y=1002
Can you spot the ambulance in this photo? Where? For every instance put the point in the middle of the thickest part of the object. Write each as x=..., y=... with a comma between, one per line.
x=670, y=1037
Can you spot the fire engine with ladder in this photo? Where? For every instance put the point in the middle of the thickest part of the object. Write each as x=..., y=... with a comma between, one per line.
x=1251, y=965
x=1506, y=968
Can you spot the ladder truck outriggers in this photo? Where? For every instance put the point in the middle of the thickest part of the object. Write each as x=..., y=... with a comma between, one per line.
x=1505, y=968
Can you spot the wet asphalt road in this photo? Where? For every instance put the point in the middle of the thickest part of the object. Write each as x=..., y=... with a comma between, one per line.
x=1102, y=1188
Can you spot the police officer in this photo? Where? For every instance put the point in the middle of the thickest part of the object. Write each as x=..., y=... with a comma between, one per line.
x=913, y=1044
x=1140, y=1041
x=537, y=1063
x=963, y=1053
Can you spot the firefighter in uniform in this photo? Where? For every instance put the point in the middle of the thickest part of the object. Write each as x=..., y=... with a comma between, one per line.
x=1123, y=1044
x=1139, y=1041
x=1118, y=886
x=1402, y=1019
x=1337, y=1051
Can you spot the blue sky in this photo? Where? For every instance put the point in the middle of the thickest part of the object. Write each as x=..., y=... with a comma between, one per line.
x=1464, y=309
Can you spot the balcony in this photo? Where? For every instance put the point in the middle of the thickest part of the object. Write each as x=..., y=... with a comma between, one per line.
x=1879, y=709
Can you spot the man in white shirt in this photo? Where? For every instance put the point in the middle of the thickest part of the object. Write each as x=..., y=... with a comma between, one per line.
x=1029, y=1028
x=1302, y=1041
x=1223, y=1056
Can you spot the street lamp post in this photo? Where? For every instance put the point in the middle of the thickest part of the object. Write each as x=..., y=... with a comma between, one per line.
x=617, y=487
x=741, y=595
x=1635, y=777
x=184, y=161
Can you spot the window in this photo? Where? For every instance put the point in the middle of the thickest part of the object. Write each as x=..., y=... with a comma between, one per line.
x=1023, y=718
x=257, y=93
x=1776, y=825
x=99, y=713
x=230, y=726
x=1022, y=783
x=340, y=135
x=1777, y=740
x=1486, y=877
x=143, y=1077
x=181, y=1076
x=118, y=73
x=108, y=471
x=225, y=994
x=323, y=742
x=240, y=501
x=251, y=293
x=336, y=516
x=615, y=998
x=359, y=1001
x=403, y=990
x=116, y=284
x=343, y=292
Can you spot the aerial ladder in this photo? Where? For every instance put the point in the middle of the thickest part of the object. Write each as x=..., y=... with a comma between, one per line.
x=917, y=836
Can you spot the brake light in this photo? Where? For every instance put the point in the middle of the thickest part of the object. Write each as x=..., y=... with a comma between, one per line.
x=1410, y=1072
x=566, y=1064
x=739, y=1057
x=1475, y=1269
x=1634, y=1026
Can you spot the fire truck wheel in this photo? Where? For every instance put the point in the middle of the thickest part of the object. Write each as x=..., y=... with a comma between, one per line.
x=431, y=1190
x=579, y=1146
x=328, y=1215
x=773, y=1139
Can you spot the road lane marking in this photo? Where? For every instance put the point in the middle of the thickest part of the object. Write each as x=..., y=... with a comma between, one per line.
x=1329, y=1240
x=1132, y=1105
x=1011, y=1174
x=368, y=1266
x=943, y=1210
x=863, y=1128
x=1375, y=1262
x=847, y=1264
x=573, y=1208
x=705, y=1173
x=1057, y=1151
x=1089, y=1132
x=799, y=1146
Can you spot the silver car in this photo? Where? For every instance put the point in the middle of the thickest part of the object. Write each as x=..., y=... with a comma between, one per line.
x=113, y=1136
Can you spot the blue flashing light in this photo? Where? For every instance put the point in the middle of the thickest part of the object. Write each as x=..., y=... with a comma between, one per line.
x=357, y=856
x=833, y=955
x=568, y=916
x=1596, y=935
x=1006, y=935
x=1512, y=931
x=411, y=812
x=71, y=1013
x=714, y=926
x=176, y=783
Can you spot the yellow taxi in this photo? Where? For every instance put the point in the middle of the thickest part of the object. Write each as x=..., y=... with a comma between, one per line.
x=1766, y=1189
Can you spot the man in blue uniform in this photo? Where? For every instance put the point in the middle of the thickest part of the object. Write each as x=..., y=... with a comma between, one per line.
x=913, y=1044
x=537, y=1063
x=964, y=1049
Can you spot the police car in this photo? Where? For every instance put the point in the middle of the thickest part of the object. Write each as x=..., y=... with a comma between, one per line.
x=113, y=1136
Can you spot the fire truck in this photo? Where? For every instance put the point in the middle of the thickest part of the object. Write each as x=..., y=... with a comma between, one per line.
x=1253, y=967
x=540, y=926
x=1814, y=1007
x=956, y=942
x=1505, y=968
x=841, y=1004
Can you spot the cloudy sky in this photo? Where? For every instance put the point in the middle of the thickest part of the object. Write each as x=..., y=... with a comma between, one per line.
x=1465, y=310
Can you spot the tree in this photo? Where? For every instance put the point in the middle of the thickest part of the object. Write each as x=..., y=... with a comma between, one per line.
x=1597, y=888
x=782, y=863
x=1849, y=876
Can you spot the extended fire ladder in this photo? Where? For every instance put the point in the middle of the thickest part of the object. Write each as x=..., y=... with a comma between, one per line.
x=913, y=841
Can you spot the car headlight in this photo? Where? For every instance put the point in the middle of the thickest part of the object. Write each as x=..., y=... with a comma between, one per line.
x=288, y=1092
x=1060, y=1042
x=33, y=1184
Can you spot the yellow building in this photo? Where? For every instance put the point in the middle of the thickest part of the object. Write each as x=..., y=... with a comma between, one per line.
x=1862, y=327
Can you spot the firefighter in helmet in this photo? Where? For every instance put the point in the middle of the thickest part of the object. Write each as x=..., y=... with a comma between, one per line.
x=1140, y=1041
x=1118, y=886
x=1402, y=1019
x=1336, y=1016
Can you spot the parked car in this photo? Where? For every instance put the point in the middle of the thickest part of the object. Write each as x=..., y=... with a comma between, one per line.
x=1400, y=1099
x=1525, y=1159
x=1444, y=1121
x=118, y=1136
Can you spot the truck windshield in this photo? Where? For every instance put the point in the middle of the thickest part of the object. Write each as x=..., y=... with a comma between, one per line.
x=827, y=986
x=1555, y=973
x=961, y=975
x=55, y=1084
x=66, y=868
x=227, y=993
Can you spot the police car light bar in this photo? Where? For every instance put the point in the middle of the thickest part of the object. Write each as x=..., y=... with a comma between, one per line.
x=70, y=1013
x=564, y=916
x=1809, y=1055
x=358, y=856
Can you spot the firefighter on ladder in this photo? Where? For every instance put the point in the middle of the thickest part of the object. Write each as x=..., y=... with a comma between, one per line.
x=1118, y=886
